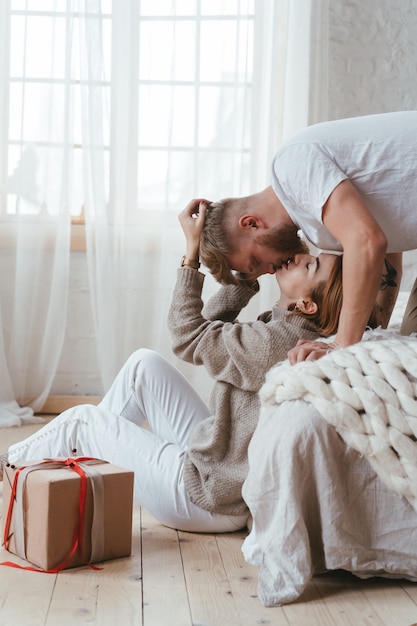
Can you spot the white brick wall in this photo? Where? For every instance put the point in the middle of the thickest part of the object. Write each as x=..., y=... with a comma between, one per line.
x=372, y=56
x=372, y=68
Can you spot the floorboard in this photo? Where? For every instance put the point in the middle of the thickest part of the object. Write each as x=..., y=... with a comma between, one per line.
x=185, y=579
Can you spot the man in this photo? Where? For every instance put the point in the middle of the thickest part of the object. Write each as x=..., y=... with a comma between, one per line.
x=348, y=185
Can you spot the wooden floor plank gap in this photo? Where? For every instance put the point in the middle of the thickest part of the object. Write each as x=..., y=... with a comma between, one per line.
x=188, y=579
x=185, y=580
x=48, y=610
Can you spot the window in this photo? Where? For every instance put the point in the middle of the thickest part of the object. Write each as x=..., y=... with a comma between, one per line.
x=189, y=66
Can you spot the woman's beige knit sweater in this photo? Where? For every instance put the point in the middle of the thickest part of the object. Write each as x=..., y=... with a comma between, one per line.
x=237, y=355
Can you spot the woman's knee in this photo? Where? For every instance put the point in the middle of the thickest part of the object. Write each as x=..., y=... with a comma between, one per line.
x=141, y=355
x=141, y=361
x=146, y=358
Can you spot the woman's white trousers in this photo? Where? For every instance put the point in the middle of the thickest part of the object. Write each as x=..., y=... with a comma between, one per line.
x=143, y=424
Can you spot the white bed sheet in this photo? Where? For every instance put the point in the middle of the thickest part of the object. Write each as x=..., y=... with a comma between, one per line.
x=317, y=505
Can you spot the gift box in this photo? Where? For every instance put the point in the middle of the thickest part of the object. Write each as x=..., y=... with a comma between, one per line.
x=61, y=513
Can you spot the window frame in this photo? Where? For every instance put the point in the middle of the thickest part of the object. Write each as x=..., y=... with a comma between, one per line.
x=77, y=218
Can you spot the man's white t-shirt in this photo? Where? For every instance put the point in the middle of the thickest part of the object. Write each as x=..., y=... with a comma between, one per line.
x=377, y=153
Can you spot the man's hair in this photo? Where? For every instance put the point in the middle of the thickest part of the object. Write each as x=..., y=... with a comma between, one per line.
x=328, y=296
x=219, y=238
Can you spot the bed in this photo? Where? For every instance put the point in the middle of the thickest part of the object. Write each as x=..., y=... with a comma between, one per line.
x=332, y=480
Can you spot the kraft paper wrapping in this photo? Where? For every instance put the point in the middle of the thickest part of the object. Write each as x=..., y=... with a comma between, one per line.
x=47, y=501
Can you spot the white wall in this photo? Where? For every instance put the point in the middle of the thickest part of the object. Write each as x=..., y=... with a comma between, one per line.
x=372, y=56
x=372, y=69
x=373, y=66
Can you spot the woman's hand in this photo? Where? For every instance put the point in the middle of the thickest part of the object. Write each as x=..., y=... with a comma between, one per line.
x=192, y=222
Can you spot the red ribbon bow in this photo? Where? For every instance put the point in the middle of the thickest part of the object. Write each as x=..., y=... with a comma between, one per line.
x=74, y=465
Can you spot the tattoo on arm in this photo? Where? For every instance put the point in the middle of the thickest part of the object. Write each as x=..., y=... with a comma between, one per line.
x=389, y=277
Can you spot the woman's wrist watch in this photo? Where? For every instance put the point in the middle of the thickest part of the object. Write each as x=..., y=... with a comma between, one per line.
x=190, y=263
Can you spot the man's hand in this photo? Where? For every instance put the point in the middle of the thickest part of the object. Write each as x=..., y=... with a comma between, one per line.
x=306, y=350
x=192, y=222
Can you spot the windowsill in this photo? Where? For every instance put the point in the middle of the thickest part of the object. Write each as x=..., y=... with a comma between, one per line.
x=8, y=235
x=145, y=228
x=78, y=238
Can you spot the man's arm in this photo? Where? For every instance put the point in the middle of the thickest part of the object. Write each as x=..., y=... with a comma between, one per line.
x=364, y=244
x=389, y=287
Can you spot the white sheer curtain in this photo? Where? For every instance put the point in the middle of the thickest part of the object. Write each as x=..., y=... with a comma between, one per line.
x=35, y=223
x=146, y=105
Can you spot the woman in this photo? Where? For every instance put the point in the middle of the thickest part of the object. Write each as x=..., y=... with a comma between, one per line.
x=191, y=464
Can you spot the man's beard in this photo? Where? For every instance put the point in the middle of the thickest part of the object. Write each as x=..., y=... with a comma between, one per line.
x=284, y=240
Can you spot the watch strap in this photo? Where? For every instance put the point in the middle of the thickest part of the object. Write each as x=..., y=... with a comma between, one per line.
x=190, y=263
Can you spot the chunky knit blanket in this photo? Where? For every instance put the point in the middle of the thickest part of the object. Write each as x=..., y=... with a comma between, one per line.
x=368, y=392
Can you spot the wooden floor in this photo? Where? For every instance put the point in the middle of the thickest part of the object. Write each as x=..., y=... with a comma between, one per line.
x=183, y=579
